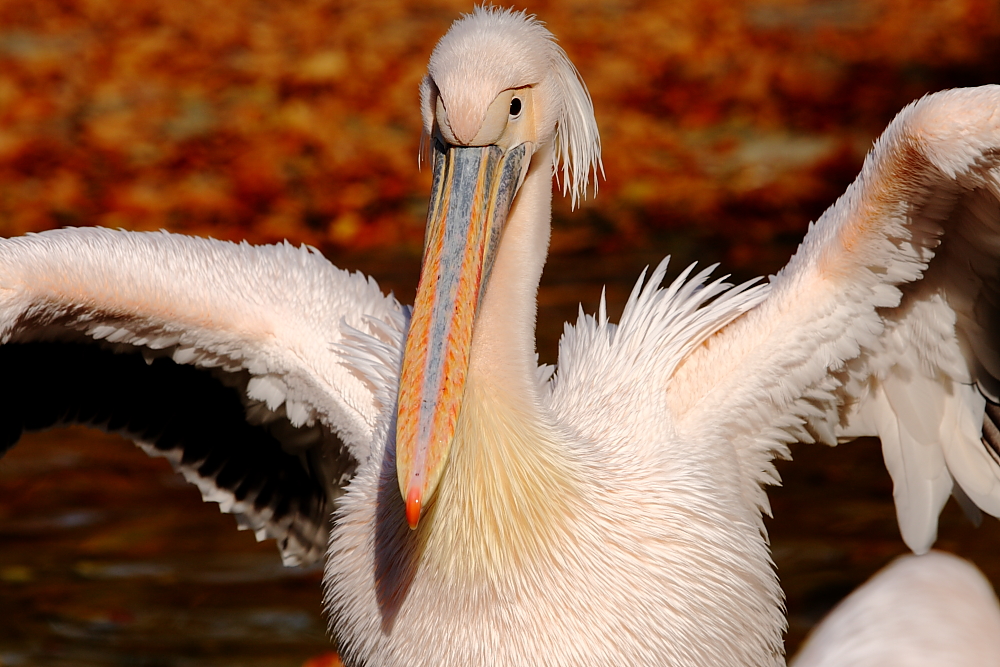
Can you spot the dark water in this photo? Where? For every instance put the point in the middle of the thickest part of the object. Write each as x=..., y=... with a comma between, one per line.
x=109, y=558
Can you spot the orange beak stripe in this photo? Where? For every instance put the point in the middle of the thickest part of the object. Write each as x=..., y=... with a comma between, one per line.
x=471, y=197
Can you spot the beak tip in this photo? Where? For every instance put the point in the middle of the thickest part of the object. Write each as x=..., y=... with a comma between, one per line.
x=413, y=507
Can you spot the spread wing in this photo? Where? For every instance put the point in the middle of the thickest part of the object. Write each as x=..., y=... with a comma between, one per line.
x=884, y=323
x=260, y=372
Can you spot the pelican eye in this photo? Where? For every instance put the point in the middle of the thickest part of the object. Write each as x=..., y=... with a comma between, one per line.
x=515, y=107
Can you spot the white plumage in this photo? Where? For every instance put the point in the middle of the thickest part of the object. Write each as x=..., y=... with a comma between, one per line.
x=608, y=511
x=863, y=335
x=920, y=611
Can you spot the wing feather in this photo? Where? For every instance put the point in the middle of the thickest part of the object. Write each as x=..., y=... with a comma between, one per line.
x=885, y=322
x=300, y=342
x=277, y=312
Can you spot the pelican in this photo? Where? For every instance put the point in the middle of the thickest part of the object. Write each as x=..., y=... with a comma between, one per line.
x=475, y=508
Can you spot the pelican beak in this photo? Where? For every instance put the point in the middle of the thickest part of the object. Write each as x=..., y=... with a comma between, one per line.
x=470, y=199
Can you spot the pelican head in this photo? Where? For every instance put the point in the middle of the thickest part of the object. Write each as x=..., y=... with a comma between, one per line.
x=500, y=100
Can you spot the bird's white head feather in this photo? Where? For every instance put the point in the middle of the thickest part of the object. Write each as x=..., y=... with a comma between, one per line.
x=492, y=50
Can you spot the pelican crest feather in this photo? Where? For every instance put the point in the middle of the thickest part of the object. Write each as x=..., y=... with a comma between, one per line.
x=471, y=53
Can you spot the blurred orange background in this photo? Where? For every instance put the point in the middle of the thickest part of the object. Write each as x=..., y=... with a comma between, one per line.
x=299, y=119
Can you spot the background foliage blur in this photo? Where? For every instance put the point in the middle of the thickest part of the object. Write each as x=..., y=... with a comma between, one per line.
x=737, y=121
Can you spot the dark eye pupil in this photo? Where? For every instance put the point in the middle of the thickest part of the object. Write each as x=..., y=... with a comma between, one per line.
x=515, y=107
